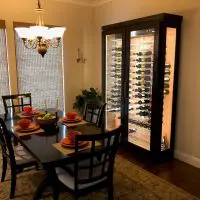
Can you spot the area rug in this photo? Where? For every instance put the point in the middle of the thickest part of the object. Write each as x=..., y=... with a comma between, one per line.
x=130, y=183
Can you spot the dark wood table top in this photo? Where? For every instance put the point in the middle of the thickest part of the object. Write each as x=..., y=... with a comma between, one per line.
x=40, y=146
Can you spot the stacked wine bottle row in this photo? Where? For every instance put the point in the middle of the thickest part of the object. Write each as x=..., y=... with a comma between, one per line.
x=140, y=85
x=166, y=79
x=164, y=144
x=114, y=67
x=140, y=90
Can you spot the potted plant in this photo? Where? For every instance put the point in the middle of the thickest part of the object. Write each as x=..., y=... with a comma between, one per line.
x=91, y=94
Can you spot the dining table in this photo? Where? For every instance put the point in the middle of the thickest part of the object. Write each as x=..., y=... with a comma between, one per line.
x=40, y=146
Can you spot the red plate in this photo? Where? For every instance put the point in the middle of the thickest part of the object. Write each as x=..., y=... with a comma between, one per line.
x=66, y=120
x=34, y=112
x=66, y=142
x=32, y=127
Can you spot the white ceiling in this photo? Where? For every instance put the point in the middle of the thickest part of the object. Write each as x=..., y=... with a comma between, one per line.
x=86, y=2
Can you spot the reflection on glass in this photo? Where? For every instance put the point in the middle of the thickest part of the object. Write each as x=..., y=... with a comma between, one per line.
x=113, y=80
x=168, y=88
x=140, y=87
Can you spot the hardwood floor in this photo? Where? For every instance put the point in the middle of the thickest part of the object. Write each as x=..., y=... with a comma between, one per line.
x=176, y=172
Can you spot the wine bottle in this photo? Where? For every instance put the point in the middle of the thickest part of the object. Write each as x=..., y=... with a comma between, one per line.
x=146, y=78
x=115, y=76
x=167, y=73
x=115, y=71
x=167, y=65
x=142, y=90
x=131, y=130
x=143, y=59
x=147, y=53
x=166, y=91
x=143, y=101
x=142, y=96
x=117, y=49
x=143, y=113
x=167, y=70
x=139, y=66
x=143, y=71
x=166, y=78
x=166, y=85
x=143, y=108
x=145, y=84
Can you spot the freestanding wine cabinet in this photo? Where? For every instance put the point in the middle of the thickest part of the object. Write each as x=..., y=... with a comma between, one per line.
x=140, y=77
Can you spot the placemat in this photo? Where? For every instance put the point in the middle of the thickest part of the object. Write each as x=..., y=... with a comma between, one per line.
x=67, y=151
x=73, y=124
x=28, y=133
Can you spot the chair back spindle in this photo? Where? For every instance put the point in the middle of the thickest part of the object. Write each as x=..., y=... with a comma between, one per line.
x=16, y=103
x=101, y=157
x=94, y=112
x=6, y=144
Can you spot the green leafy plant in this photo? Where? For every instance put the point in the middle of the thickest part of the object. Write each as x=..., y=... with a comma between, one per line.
x=91, y=94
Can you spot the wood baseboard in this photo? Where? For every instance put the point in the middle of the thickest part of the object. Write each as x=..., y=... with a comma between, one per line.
x=187, y=158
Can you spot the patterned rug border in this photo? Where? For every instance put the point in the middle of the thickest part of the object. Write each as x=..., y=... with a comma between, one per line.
x=155, y=177
x=146, y=184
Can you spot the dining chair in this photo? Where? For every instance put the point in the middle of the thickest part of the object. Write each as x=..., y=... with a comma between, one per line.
x=88, y=172
x=9, y=157
x=17, y=101
x=94, y=112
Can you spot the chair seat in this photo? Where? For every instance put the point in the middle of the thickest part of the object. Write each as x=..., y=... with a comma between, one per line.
x=65, y=174
x=68, y=180
x=23, y=158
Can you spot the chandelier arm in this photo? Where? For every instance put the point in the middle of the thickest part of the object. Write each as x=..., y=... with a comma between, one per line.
x=55, y=44
x=29, y=44
x=35, y=44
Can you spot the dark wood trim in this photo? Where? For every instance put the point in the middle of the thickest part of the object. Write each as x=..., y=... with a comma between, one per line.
x=104, y=34
x=158, y=86
x=103, y=66
x=163, y=16
x=175, y=88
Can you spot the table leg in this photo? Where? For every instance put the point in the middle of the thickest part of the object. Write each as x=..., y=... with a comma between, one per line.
x=52, y=181
x=42, y=187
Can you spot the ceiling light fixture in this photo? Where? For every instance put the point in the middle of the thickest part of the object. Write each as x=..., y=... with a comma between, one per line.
x=40, y=36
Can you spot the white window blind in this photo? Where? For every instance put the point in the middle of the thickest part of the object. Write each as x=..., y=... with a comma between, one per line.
x=42, y=77
x=4, y=77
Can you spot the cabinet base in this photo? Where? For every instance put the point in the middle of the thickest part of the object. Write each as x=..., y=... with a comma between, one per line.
x=157, y=157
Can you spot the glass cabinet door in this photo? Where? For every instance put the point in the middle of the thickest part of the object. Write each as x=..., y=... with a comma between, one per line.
x=140, y=87
x=168, y=87
x=113, y=80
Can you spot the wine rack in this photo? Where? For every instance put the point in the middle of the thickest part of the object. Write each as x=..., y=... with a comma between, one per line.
x=140, y=87
x=140, y=75
x=113, y=76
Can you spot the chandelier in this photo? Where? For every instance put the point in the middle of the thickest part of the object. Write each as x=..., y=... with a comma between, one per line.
x=40, y=36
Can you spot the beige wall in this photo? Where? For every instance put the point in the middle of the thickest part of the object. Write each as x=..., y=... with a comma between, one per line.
x=78, y=22
x=187, y=129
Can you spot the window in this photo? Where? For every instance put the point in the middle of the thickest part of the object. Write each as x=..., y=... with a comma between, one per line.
x=42, y=77
x=4, y=77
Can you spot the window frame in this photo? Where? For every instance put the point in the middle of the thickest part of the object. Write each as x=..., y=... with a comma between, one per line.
x=3, y=26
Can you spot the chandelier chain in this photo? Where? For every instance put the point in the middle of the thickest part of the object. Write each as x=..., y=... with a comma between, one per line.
x=39, y=4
